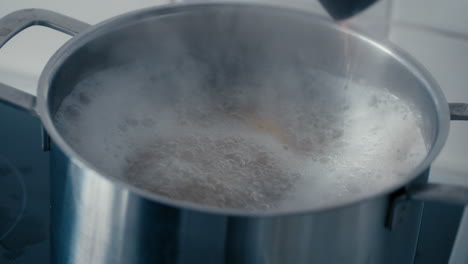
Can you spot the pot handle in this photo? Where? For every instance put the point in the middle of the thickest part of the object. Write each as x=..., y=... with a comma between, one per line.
x=437, y=192
x=12, y=24
x=431, y=192
x=458, y=111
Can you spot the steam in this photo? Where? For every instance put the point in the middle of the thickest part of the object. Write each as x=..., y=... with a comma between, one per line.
x=217, y=110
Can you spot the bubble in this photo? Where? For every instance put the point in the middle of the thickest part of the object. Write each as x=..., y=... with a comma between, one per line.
x=373, y=102
x=72, y=112
x=131, y=122
x=353, y=187
x=148, y=122
x=84, y=99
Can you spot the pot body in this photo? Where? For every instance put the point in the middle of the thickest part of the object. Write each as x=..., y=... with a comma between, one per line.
x=96, y=221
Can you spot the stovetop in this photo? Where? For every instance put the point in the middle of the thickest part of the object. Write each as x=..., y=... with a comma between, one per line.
x=24, y=190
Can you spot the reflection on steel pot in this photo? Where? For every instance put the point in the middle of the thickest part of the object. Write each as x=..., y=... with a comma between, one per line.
x=234, y=133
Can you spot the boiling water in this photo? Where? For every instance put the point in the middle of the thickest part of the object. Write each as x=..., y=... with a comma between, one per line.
x=261, y=147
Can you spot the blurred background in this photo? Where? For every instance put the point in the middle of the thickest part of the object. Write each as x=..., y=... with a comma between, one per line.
x=434, y=32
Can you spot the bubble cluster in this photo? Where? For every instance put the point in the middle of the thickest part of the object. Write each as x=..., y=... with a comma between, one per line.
x=227, y=171
x=252, y=147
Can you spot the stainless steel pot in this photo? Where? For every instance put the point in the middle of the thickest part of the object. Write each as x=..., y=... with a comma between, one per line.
x=96, y=218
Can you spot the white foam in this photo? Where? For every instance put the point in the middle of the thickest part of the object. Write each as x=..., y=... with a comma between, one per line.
x=289, y=150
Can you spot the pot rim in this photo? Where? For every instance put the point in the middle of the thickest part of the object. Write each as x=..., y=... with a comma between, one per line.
x=64, y=52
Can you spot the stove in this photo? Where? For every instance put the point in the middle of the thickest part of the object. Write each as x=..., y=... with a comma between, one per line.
x=24, y=190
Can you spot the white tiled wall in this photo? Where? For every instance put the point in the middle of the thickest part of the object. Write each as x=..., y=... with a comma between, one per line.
x=449, y=15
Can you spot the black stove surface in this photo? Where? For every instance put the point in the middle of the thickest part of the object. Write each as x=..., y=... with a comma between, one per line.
x=24, y=190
